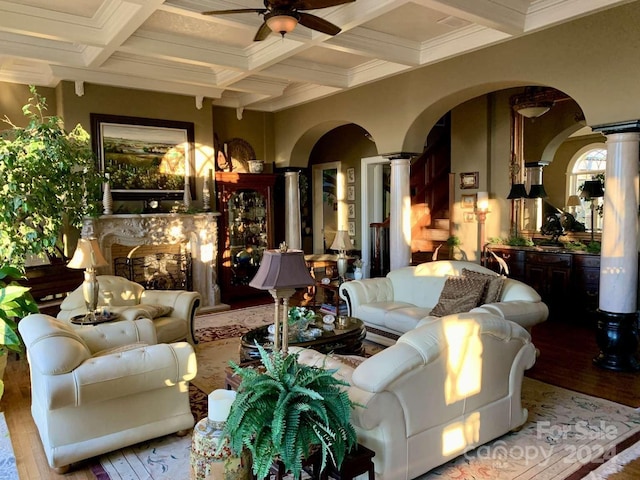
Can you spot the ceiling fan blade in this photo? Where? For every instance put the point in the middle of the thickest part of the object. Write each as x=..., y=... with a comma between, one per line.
x=314, y=4
x=317, y=23
x=238, y=10
x=262, y=33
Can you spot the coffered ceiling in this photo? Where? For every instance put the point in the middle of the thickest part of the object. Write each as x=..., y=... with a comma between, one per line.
x=169, y=46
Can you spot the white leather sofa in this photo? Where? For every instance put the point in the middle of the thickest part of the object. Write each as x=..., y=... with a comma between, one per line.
x=393, y=305
x=442, y=389
x=98, y=389
x=131, y=301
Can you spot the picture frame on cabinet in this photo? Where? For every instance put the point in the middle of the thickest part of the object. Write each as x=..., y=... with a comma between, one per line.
x=469, y=180
x=145, y=157
x=468, y=201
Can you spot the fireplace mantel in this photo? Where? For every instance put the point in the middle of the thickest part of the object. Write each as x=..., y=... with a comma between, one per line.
x=198, y=231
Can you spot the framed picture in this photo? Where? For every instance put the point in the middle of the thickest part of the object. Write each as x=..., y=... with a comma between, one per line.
x=468, y=201
x=145, y=158
x=351, y=210
x=351, y=193
x=351, y=175
x=469, y=217
x=469, y=180
x=351, y=229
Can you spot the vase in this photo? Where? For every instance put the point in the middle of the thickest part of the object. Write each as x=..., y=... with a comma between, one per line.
x=187, y=196
x=206, y=194
x=107, y=200
x=357, y=273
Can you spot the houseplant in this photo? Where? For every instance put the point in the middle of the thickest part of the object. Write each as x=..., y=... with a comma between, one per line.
x=15, y=302
x=48, y=181
x=285, y=410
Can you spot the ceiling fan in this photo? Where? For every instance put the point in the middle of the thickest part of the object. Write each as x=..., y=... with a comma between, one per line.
x=282, y=16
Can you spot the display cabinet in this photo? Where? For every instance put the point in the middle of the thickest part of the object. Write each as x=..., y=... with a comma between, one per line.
x=245, y=202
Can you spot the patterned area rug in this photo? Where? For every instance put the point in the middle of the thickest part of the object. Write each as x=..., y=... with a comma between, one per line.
x=8, y=469
x=568, y=435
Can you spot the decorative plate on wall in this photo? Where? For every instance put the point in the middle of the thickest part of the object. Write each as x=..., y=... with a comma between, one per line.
x=240, y=151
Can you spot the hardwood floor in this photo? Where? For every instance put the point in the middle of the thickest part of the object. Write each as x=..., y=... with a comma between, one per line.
x=565, y=360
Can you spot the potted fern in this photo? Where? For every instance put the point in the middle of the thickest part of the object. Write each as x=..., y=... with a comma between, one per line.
x=286, y=411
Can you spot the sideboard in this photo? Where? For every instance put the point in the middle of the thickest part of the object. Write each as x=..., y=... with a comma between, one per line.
x=568, y=281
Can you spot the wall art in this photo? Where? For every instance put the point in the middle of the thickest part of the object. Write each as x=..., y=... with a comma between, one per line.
x=469, y=180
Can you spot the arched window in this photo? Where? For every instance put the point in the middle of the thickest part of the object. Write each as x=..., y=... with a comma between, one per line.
x=589, y=163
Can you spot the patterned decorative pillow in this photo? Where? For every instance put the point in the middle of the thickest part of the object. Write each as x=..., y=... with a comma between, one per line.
x=459, y=294
x=493, y=290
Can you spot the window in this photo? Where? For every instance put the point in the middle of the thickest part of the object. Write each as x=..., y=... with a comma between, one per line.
x=588, y=164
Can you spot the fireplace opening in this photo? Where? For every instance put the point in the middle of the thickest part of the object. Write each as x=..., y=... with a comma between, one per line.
x=155, y=267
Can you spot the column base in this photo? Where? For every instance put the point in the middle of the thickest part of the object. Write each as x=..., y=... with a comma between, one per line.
x=617, y=338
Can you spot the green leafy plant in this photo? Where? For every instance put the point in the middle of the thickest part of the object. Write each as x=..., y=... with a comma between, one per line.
x=48, y=181
x=285, y=410
x=15, y=302
x=453, y=241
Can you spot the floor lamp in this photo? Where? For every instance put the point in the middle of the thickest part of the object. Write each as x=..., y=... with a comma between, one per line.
x=592, y=189
x=88, y=257
x=517, y=192
x=281, y=272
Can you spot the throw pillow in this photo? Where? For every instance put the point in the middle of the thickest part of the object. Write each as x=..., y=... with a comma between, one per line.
x=493, y=290
x=143, y=310
x=459, y=294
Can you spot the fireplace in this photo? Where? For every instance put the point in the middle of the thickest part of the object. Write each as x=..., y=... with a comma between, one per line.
x=194, y=236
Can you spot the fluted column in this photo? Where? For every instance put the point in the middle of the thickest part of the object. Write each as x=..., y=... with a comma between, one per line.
x=617, y=328
x=400, y=213
x=292, y=224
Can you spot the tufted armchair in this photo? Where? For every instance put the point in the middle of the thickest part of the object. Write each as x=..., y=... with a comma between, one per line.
x=441, y=390
x=98, y=389
x=172, y=311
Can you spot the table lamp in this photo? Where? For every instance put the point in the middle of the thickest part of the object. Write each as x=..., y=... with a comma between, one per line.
x=88, y=257
x=281, y=272
x=516, y=193
x=592, y=189
x=342, y=243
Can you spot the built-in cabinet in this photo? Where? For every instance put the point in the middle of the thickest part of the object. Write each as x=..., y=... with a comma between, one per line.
x=568, y=282
x=245, y=202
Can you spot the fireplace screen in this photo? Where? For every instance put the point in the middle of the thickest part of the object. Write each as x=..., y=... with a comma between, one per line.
x=159, y=271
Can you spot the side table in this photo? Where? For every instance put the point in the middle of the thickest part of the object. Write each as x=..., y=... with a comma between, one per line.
x=359, y=461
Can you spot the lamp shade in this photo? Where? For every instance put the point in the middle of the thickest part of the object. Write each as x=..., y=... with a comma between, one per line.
x=573, y=201
x=280, y=269
x=517, y=191
x=482, y=202
x=341, y=242
x=592, y=189
x=537, y=191
x=281, y=23
x=87, y=255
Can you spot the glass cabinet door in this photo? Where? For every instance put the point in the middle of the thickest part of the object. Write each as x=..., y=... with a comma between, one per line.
x=247, y=234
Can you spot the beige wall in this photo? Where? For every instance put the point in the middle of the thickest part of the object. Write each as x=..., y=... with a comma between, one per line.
x=14, y=96
x=138, y=103
x=254, y=127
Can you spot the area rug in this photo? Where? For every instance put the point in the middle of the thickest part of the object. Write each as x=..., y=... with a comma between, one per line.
x=568, y=435
x=8, y=468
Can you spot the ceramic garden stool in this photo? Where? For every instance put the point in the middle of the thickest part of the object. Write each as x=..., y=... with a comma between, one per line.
x=209, y=461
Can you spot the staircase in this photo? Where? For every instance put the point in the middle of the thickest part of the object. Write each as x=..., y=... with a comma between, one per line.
x=431, y=186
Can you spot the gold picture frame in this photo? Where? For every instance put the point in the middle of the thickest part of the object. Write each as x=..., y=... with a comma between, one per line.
x=469, y=180
x=468, y=201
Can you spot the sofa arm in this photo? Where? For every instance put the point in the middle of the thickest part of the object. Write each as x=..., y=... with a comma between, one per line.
x=524, y=313
x=368, y=290
x=117, y=334
x=121, y=374
x=184, y=303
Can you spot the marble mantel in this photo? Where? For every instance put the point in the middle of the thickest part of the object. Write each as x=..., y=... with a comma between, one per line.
x=199, y=233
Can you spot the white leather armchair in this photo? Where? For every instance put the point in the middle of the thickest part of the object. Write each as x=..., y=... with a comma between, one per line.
x=441, y=390
x=97, y=389
x=131, y=301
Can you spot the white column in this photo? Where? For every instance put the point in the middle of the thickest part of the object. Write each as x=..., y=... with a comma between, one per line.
x=400, y=214
x=619, y=252
x=292, y=223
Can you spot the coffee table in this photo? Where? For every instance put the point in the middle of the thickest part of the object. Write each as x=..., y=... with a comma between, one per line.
x=345, y=338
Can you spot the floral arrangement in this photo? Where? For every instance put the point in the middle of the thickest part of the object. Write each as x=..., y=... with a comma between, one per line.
x=301, y=315
x=358, y=263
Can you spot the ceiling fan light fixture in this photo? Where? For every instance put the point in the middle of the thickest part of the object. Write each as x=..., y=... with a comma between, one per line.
x=282, y=23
